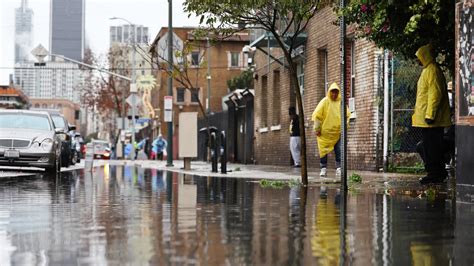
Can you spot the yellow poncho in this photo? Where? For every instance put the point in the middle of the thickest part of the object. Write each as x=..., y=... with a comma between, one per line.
x=431, y=93
x=327, y=120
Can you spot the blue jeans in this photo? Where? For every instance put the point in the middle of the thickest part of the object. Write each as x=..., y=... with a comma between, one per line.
x=323, y=162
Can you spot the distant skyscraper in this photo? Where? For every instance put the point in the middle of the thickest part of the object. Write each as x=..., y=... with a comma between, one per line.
x=125, y=33
x=67, y=28
x=23, y=32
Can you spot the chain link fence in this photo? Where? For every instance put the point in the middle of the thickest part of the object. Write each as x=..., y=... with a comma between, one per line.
x=403, y=137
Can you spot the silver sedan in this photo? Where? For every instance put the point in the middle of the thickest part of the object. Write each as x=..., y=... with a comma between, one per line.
x=28, y=138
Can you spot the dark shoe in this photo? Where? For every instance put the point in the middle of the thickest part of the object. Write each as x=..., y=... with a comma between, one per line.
x=431, y=180
x=297, y=166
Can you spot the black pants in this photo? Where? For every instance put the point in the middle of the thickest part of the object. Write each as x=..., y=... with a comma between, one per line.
x=432, y=152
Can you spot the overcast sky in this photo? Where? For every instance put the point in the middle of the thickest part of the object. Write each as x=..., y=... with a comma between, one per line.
x=150, y=13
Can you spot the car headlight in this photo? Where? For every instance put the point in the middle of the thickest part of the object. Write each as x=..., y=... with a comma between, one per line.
x=47, y=144
x=62, y=137
x=35, y=145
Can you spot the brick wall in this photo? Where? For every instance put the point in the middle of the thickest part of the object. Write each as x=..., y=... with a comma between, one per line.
x=272, y=144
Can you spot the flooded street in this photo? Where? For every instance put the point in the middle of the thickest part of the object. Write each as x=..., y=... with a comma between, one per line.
x=134, y=216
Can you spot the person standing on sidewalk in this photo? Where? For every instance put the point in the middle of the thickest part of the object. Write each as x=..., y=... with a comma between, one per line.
x=295, y=139
x=159, y=147
x=327, y=125
x=431, y=114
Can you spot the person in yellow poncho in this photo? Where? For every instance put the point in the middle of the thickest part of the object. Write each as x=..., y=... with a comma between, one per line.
x=327, y=125
x=431, y=114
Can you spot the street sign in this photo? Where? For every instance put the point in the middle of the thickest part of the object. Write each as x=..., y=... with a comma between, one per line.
x=133, y=98
x=168, y=109
x=133, y=87
x=168, y=102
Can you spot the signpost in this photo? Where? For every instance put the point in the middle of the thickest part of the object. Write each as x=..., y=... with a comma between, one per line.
x=89, y=157
x=168, y=109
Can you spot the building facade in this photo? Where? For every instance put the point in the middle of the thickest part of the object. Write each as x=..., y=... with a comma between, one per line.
x=318, y=65
x=13, y=98
x=55, y=80
x=23, y=32
x=67, y=28
x=129, y=34
x=223, y=60
x=69, y=109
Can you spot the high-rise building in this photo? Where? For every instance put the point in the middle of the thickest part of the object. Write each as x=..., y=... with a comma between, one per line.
x=67, y=28
x=126, y=33
x=23, y=32
x=55, y=80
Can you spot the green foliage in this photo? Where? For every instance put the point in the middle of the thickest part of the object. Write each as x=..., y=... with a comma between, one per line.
x=355, y=178
x=404, y=26
x=242, y=81
x=418, y=168
x=278, y=184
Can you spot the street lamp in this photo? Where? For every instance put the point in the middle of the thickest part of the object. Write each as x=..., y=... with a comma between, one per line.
x=133, y=86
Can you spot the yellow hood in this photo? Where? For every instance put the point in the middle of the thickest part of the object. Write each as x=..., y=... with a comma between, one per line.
x=334, y=86
x=425, y=54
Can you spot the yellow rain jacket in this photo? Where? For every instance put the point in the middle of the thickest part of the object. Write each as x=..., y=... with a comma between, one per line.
x=431, y=94
x=327, y=120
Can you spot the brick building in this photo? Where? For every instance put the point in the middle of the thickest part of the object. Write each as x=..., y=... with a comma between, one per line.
x=226, y=61
x=13, y=98
x=70, y=110
x=318, y=66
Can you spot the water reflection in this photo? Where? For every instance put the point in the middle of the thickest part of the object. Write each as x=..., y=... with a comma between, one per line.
x=127, y=215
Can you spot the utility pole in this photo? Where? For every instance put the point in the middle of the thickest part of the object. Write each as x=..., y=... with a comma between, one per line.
x=133, y=89
x=133, y=85
x=208, y=51
x=342, y=25
x=169, y=161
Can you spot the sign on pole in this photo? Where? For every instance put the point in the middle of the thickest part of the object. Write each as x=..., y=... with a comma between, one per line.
x=168, y=109
x=133, y=98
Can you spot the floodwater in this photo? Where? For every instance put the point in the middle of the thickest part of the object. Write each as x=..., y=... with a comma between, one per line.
x=132, y=216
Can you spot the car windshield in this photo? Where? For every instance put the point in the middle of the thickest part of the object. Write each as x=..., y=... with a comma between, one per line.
x=58, y=121
x=27, y=121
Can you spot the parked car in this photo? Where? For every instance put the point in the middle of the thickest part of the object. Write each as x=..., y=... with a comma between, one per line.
x=29, y=138
x=61, y=123
x=101, y=149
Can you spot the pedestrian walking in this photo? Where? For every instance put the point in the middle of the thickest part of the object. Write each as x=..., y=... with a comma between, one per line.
x=431, y=115
x=327, y=125
x=295, y=139
x=158, y=148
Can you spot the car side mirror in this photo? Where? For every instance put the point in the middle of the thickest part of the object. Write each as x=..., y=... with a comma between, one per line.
x=72, y=127
x=59, y=131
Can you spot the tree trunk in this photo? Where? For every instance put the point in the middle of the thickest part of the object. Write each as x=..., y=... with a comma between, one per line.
x=299, y=102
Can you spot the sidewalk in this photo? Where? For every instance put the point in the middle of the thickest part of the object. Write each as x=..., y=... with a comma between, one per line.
x=271, y=172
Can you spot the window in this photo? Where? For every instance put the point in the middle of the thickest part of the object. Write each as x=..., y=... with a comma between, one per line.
x=300, y=73
x=264, y=102
x=276, y=98
x=323, y=70
x=180, y=92
x=352, y=93
x=195, y=95
x=195, y=58
x=234, y=59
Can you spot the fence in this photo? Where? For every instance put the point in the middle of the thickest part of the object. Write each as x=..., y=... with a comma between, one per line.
x=403, y=137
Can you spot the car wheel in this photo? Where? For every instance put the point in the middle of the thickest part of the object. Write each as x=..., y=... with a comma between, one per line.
x=56, y=168
x=74, y=158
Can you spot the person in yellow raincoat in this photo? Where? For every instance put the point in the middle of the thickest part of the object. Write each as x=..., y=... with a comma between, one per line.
x=327, y=125
x=431, y=114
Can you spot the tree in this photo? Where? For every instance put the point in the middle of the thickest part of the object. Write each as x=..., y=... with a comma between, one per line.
x=285, y=20
x=242, y=81
x=404, y=26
